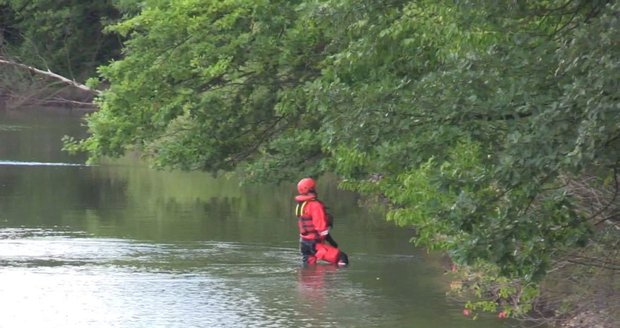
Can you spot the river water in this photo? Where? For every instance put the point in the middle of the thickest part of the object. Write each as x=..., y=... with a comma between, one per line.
x=121, y=245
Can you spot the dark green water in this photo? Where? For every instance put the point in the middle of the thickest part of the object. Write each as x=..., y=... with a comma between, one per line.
x=121, y=245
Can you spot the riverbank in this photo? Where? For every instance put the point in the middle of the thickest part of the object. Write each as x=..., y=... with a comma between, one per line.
x=47, y=100
x=591, y=319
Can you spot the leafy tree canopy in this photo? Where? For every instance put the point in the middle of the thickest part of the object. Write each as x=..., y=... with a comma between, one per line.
x=466, y=117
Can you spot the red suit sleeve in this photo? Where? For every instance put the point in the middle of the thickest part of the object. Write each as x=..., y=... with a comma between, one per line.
x=319, y=217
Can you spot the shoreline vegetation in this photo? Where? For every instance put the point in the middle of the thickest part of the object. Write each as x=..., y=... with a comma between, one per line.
x=490, y=127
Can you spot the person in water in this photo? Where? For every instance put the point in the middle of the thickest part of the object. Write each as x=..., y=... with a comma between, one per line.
x=315, y=241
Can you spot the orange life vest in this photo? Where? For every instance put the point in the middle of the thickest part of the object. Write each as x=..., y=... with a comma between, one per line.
x=306, y=227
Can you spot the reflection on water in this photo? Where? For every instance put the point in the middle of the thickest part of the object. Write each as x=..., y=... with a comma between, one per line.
x=73, y=279
x=120, y=245
x=66, y=279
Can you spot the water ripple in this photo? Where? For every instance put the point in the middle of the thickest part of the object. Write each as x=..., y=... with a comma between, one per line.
x=19, y=163
x=70, y=279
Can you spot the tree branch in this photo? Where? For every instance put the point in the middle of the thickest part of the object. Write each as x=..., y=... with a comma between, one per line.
x=611, y=202
x=51, y=75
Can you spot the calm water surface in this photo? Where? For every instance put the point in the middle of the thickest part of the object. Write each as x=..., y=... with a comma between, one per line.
x=121, y=245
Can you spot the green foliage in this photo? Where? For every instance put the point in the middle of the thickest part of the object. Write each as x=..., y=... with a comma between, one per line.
x=210, y=86
x=460, y=116
x=63, y=36
x=487, y=291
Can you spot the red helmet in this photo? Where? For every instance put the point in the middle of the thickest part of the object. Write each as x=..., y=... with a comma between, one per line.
x=306, y=185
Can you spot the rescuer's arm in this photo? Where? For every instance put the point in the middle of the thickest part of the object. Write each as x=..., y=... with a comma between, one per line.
x=331, y=240
x=319, y=218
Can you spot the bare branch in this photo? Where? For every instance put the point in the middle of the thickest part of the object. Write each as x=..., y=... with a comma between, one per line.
x=50, y=75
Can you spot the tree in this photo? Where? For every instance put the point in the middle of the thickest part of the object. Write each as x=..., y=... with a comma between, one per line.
x=466, y=118
x=209, y=86
x=64, y=36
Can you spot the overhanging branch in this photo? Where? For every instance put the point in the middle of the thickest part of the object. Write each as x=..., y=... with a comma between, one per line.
x=51, y=75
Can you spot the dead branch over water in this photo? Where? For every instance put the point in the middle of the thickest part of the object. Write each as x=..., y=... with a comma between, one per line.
x=28, y=85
